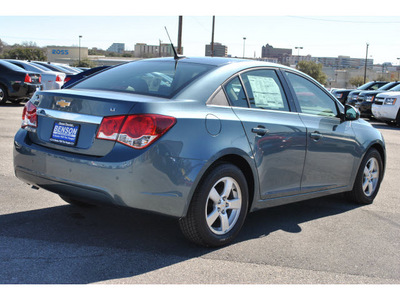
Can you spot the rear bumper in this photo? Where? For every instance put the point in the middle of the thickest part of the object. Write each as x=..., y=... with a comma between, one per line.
x=23, y=90
x=152, y=180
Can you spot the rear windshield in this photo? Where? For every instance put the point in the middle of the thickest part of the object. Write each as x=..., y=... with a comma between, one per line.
x=155, y=78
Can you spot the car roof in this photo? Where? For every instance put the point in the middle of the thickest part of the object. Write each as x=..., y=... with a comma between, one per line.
x=219, y=61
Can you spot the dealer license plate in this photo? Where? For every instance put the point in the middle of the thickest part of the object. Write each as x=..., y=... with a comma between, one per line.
x=65, y=133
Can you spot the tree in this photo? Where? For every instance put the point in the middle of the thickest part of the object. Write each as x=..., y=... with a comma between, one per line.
x=313, y=69
x=25, y=53
x=357, y=80
x=2, y=44
x=86, y=63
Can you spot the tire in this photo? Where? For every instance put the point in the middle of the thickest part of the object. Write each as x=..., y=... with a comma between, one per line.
x=368, y=179
x=216, y=215
x=398, y=118
x=75, y=201
x=3, y=95
x=16, y=101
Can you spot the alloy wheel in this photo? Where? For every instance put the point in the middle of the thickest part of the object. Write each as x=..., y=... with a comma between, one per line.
x=223, y=205
x=370, y=176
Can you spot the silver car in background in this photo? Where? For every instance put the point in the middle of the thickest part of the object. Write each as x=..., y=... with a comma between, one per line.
x=51, y=80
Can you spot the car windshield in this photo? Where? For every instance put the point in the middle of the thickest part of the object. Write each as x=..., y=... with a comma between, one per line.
x=11, y=66
x=396, y=88
x=155, y=78
x=387, y=86
x=371, y=86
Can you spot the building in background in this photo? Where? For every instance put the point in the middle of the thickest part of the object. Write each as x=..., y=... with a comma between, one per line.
x=344, y=62
x=61, y=54
x=146, y=51
x=219, y=50
x=280, y=54
x=117, y=48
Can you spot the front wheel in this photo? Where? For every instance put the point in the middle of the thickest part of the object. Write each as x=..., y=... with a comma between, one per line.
x=218, y=208
x=368, y=179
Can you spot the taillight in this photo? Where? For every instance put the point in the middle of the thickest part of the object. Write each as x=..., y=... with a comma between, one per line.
x=58, y=78
x=136, y=131
x=29, y=116
x=67, y=79
x=40, y=78
x=28, y=79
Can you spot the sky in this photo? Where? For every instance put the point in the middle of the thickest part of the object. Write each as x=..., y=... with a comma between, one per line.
x=327, y=31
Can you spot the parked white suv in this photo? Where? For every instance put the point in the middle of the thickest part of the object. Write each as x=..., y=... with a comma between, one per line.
x=386, y=107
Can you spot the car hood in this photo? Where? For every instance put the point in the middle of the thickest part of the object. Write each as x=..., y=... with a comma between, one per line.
x=389, y=94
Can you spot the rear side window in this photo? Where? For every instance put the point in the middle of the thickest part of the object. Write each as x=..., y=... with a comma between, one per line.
x=235, y=93
x=155, y=78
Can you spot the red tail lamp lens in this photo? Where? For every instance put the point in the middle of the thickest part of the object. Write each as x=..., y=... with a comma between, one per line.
x=136, y=131
x=110, y=127
x=28, y=78
x=29, y=116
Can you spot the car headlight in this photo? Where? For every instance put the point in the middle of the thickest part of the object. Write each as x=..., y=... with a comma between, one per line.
x=338, y=95
x=390, y=101
x=369, y=98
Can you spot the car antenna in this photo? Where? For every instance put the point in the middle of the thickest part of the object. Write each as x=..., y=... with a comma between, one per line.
x=176, y=56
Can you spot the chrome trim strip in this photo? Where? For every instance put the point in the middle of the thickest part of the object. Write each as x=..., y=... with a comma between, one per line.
x=69, y=116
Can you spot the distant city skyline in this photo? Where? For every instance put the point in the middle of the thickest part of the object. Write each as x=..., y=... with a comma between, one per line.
x=317, y=36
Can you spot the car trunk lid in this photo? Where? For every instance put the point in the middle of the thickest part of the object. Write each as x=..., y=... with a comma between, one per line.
x=68, y=120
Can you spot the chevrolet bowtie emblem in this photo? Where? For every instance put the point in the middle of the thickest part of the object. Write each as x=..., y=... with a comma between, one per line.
x=62, y=103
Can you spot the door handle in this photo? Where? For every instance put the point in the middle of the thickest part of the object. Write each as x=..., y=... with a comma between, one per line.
x=316, y=136
x=260, y=130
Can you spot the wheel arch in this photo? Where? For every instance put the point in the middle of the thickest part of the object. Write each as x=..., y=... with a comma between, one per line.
x=382, y=152
x=246, y=169
x=241, y=161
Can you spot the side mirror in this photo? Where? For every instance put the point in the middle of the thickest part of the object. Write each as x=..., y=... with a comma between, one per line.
x=350, y=113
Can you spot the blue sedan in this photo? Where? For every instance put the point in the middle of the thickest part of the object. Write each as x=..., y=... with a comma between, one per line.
x=205, y=140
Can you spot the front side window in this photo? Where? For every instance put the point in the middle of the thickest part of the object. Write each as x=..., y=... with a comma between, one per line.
x=312, y=99
x=264, y=90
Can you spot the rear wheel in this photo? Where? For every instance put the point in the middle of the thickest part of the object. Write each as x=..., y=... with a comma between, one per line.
x=218, y=208
x=368, y=179
x=3, y=95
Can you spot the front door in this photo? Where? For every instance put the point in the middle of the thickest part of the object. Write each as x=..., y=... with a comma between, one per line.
x=331, y=145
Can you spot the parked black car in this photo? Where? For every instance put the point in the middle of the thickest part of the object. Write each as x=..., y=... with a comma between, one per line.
x=369, y=86
x=17, y=84
x=70, y=79
x=365, y=99
x=341, y=94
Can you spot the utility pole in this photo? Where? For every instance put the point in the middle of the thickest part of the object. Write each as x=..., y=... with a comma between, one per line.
x=212, y=37
x=244, y=45
x=365, y=66
x=79, y=50
x=180, y=36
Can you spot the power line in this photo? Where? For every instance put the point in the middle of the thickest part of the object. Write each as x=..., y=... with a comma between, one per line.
x=346, y=21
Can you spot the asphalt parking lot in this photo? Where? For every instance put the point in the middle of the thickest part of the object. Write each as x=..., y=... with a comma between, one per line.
x=320, y=241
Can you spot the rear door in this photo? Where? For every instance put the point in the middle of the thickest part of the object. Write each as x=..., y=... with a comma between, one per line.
x=331, y=144
x=277, y=136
